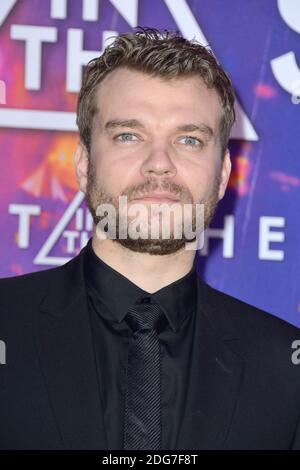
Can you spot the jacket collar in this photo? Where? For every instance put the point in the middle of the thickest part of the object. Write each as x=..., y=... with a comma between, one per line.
x=67, y=285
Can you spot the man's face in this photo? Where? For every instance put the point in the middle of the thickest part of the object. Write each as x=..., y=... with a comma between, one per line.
x=154, y=135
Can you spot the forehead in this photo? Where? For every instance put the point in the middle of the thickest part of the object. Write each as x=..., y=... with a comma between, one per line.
x=157, y=99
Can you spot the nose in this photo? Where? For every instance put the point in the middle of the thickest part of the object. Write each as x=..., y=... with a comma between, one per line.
x=158, y=162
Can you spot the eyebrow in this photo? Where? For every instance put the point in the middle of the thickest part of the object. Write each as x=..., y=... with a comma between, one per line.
x=135, y=124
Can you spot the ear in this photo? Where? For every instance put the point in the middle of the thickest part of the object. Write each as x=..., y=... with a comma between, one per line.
x=225, y=174
x=81, y=159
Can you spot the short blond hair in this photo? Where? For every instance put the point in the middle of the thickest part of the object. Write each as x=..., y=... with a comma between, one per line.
x=159, y=54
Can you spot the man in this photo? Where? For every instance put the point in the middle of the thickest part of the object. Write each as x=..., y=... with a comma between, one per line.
x=125, y=347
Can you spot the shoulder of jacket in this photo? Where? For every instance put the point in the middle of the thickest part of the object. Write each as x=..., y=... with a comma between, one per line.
x=248, y=318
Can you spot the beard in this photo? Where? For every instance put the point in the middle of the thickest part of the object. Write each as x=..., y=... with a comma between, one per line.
x=96, y=195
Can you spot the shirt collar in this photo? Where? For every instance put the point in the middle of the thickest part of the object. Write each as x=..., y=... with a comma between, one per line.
x=118, y=294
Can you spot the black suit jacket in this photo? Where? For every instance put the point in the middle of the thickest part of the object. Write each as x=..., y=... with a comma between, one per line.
x=245, y=391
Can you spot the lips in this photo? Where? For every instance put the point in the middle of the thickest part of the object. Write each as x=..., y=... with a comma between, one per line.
x=158, y=196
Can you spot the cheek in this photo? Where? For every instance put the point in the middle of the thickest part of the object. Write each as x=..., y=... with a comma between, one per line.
x=113, y=175
x=199, y=180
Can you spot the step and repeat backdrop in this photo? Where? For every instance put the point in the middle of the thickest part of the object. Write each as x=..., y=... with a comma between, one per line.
x=252, y=248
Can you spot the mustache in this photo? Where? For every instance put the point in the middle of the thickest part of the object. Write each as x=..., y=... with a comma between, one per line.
x=152, y=185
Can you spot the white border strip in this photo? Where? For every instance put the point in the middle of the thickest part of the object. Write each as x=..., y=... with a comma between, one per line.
x=38, y=119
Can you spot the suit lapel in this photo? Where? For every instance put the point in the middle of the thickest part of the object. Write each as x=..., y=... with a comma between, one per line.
x=216, y=375
x=65, y=347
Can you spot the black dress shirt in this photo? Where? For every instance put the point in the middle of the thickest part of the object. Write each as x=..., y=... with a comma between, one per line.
x=110, y=295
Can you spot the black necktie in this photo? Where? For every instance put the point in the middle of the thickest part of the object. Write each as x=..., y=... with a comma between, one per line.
x=142, y=425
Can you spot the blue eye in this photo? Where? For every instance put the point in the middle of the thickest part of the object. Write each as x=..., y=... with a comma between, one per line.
x=125, y=137
x=192, y=141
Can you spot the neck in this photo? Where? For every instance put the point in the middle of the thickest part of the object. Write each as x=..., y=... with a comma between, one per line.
x=149, y=272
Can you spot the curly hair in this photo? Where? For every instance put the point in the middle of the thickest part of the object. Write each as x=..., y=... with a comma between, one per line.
x=158, y=54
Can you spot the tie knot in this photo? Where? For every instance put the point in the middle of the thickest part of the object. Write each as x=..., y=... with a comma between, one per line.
x=144, y=316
